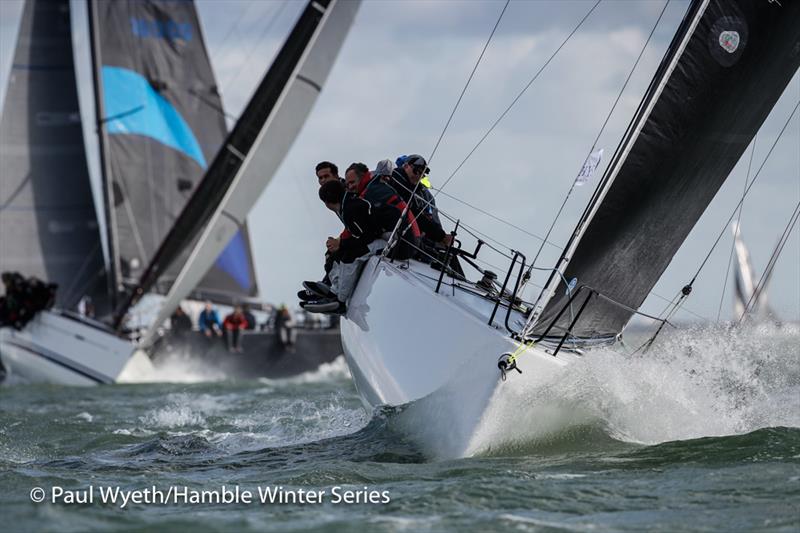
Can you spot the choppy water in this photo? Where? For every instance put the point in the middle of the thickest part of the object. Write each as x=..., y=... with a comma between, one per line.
x=701, y=433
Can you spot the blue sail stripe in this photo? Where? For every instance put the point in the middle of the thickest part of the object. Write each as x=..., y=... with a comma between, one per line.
x=134, y=107
x=233, y=260
x=155, y=117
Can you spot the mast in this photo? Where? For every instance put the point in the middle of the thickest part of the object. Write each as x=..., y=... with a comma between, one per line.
x=113, y=272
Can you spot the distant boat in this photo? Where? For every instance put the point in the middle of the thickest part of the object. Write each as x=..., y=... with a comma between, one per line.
x=162, y=96
x=439, y=346
x=750, y=293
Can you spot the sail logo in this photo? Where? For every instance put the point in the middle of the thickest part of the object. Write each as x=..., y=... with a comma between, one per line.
x=161, y=29
x=729, y=41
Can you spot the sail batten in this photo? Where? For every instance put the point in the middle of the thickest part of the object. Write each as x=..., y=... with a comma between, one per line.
x=715, y=91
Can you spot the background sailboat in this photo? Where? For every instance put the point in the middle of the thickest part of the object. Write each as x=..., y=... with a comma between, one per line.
x=162, y=127
x=162, y=123
x=166, y=125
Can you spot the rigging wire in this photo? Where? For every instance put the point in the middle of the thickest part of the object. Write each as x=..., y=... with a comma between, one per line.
x=496, y=122
x=475, y=233
x=393, y=238
x=746, y=192
x=600, y=133
x=517, y=98
x=771, y=265
x=220, y=47
x=738, y=220
x=469, y=80
x=498, y=219
x=267, y=27
x=687, y=289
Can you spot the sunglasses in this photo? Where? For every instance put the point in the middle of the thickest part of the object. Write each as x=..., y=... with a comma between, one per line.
x=419, y=169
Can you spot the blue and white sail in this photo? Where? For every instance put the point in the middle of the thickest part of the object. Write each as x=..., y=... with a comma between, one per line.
x=161, y=125
x=251, y=155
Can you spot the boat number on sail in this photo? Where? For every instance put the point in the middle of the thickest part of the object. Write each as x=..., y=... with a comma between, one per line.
x=161, y=29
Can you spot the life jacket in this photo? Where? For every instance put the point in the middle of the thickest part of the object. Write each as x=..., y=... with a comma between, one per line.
x=387, y=205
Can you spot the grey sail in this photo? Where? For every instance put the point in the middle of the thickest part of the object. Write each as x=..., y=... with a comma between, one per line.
x=253, y=152
x=727, y=66
x=162, y=124
x=48, y=222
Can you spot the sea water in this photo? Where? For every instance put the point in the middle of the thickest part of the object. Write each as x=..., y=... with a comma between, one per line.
x=701, y=432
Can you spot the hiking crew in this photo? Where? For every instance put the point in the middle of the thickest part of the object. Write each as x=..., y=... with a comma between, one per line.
x=233, y=325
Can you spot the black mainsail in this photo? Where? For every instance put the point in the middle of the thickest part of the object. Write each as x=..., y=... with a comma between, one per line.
x=162, y=123
x=727, y=66
x=48, y=222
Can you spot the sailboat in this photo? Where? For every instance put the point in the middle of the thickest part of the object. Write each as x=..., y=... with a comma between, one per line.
x=750, y=293
x=725, y=68
x=49, y=226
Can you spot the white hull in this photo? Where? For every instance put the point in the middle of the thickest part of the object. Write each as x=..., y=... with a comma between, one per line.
x=57, y=348
x=404, y=343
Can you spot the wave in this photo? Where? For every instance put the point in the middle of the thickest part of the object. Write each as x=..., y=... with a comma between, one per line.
x=693, y=383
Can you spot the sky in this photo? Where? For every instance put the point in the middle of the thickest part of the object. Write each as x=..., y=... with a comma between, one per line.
x=396, y=82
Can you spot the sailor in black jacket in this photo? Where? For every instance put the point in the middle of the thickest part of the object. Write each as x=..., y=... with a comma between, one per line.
x=365, y=231
x=403, y=180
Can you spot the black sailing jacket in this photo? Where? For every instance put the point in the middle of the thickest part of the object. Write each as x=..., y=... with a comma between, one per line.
x=428, y=226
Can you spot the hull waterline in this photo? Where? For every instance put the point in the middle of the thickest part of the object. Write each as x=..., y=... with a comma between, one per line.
x=59, y=349
x=432, y=355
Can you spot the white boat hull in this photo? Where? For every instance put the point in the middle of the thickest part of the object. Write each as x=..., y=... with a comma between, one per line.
x=57, y=348
x=432, y=353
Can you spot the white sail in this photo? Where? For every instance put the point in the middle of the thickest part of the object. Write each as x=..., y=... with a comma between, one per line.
x=750, y=294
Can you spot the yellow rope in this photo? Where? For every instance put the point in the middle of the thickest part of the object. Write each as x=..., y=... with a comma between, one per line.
x=522, y=347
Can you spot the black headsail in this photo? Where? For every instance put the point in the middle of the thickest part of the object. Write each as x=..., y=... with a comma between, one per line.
x=48, y=223
x=723, y=73
x=162, y=123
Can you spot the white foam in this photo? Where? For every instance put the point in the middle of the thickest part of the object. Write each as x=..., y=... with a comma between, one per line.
x=180, y=367
x=182, y=409
x=335, y=370
x=695, y=383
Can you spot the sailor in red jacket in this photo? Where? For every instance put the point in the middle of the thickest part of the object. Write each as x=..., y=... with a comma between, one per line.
x=233, y=325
